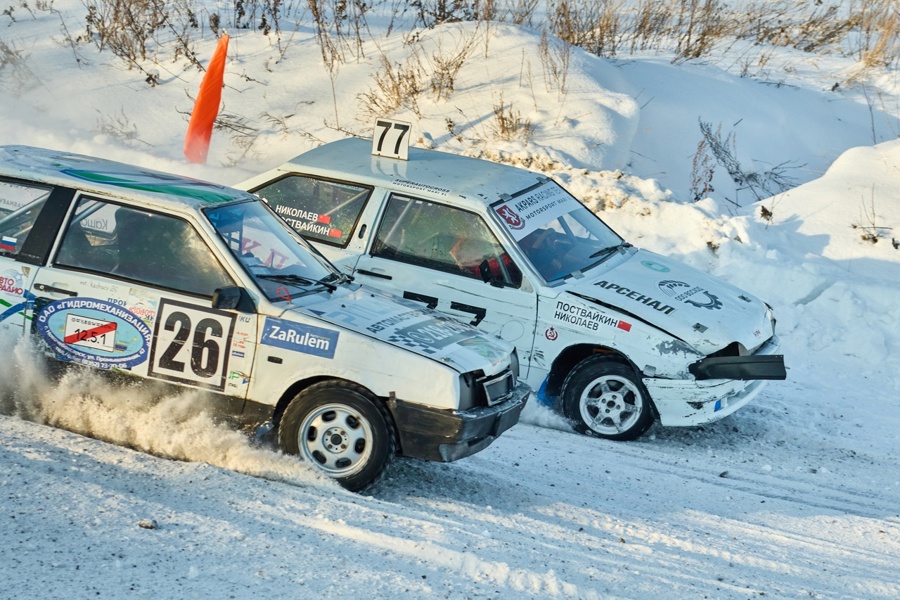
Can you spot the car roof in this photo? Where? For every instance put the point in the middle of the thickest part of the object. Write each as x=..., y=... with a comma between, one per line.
x=468, y=181
x=111, y=178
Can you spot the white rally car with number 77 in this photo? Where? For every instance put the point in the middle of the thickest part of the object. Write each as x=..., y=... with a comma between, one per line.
x=611, y=335
x=159, y=276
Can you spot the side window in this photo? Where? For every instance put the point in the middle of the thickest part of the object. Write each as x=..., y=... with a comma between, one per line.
x=442, y=238
x=325, y=211
x=20, y=204
x=143, y=246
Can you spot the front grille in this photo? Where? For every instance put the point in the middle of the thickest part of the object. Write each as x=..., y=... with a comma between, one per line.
x=498, y=388
x=479, y=390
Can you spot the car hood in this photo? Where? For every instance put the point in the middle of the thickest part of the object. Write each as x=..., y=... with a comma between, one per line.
x=696, y=307
x=409, y=325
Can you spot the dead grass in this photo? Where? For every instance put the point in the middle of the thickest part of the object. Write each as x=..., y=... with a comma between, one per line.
x=509, y=124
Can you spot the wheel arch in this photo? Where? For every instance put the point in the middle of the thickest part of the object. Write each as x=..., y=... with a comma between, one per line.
x=571, y=356
x=298, y=386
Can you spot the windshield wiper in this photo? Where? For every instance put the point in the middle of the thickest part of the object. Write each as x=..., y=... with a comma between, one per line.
x=299, y=280
x=289, y=278
x=336, y=279
x=610, y=250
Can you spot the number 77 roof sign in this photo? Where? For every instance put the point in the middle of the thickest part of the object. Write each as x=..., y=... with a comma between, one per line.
x=391, y=139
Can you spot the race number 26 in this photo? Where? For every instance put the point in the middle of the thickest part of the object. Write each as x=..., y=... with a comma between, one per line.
x=191, y=344
x=391, y=139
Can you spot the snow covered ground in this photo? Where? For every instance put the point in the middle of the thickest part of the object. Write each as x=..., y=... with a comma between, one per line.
x=795, y=496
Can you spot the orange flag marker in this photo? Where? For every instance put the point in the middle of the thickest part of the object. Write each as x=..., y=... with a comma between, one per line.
x=206, y=107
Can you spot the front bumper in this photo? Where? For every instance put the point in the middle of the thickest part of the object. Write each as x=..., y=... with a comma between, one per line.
x=683, y=403
x=448, y=435
x=711, y=396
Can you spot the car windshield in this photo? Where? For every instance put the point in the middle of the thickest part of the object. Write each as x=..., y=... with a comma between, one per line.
x=283, y=265
x=558, y=234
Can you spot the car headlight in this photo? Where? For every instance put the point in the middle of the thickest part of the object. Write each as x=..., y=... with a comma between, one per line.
x=514, y=365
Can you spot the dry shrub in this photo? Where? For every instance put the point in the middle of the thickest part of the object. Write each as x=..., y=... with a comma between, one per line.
x=555, y=58
x=520, y=12
x=13, y=67
x=139, y=30
x=126, y=27
x=396, y=85
x=340, y=29
x=866, y=29
x=879, y=38
x=651, y=25
x=762, y=184
x=701, y=25
x=445, y=67
x=508, y=123
x=435, y=12
x=587, y=24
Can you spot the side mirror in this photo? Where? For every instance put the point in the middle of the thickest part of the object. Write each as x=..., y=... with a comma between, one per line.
x=484, y=269
x=233, y=298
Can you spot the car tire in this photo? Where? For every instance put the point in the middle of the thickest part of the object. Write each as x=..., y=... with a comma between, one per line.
x=342, y=430
x=605, y=398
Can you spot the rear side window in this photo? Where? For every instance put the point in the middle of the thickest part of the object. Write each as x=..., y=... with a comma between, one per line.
x=20, y=204
x=320, y=210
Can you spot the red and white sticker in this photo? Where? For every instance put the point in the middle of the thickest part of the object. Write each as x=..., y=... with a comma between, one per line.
x=90, y=333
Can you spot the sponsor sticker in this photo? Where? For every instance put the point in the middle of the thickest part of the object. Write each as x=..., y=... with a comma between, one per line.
x=693, y=295
x=17, y=298
x=299, y=338
x=422, y=187
x=655, y=266
x=190, y=344
x=584, y=318
x=400, y=321
x=90, y=333
x=308, y=221
x=527, y=212
x=11, y=283
x=432, y=335
x=94, y=332
x=648, y=301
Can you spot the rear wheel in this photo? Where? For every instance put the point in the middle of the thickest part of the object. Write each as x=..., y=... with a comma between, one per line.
x=341, y=429
x=605, y=398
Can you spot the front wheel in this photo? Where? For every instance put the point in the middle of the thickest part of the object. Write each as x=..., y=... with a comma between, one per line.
x=605, y=398
x=341, y=429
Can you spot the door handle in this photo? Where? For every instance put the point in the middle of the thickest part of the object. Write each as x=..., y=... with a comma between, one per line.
x=43, y=287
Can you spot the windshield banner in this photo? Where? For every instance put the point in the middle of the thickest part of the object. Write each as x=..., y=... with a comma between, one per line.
x=528, y=212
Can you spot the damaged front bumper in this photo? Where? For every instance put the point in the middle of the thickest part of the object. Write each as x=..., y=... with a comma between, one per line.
x=721, y=386
x=448, y=435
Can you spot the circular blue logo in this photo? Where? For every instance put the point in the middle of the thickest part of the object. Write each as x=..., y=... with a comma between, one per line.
x=94, y=332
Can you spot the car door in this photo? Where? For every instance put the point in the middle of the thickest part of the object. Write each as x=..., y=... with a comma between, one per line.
x=130, y=289
x=441, y=255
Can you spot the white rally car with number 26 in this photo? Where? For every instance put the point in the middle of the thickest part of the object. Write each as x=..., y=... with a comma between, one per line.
x=611, y=335
x=117, y=267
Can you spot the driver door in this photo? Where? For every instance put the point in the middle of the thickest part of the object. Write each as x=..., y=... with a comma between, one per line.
x=439, y=255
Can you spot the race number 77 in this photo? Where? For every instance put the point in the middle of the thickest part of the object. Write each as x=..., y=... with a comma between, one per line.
x=389, y=138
